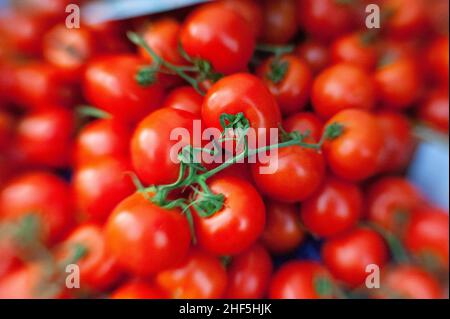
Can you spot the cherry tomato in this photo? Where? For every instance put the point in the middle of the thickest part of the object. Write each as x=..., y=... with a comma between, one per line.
x=292, y=86
x=184, y=98
x=348, y=255
x=238, y=224
x=438, y=60
x=411, y=282
x=434, y=110
x=110, y=84
x=399, y=142
x=398, y=83
x=101, y=185
x=249, y=274
x=146, y=238
x=43, y=195
x=7, y=124
x=280, y=21
x=357, y=153
x=199, y=276
x=52, y=10
x=138, y=289
x=342, y=86
x=98, y=269
x=300, y=280
x=408, y=18
x=45, y=138
x=335, y=208
x=427, y=235
x=9, y=256
x=325, y=19
x=102, y=138
x=152, y=146
x=251, y=11
x=305, y=123
x=315, y=54
x=219, y=35
x=391, y=201
x=284, y=231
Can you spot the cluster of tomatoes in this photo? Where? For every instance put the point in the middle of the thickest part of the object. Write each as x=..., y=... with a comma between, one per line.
x=86, y=116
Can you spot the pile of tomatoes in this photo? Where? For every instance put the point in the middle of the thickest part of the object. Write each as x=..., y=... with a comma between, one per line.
x=85, y=122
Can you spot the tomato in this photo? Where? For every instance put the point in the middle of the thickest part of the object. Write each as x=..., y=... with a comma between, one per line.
x=45, y=138
x=302, y=168
x=356, y=48
x=199, y=276
x=9, y=256
x=238, y=224
x=98, y=269
x=110, y=84
x=249, y=274
x=305, y=123
x=408, y=18
x=284, y=231
x=43, y=195
x=102, y=138
x=357, y=153
x=411, y=282
x=348, y=255
x=52, y=10
x=398, y=83
x=399, y=142
x=325, y=19
x=146, y=238
x=427, y=235
x=7, y=124
x=293, y=87
x=219, y=35
x=391, y=201
x=315, y=54
x=101, y=185
x=437, y=58
x=138, y=289
x=300, y=280
x=239, y=170
x=251, y=11
x=69, y=49
x=434, y=110
x=152, y=146
x=342, y=86
x=280, y=21
x=184, y=98
x=335, y=208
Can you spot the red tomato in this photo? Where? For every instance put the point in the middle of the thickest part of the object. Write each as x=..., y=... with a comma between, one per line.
x=356, y=48
x=356, y=154
x=427, y=235
x=408, y=18
x=152, y=149
x=435, y=111
x=98, y=269
x=284, y=231
x=238, y=224
x=9, y=256
x=52, y=10
x=101, y=185
x=409, y=282
x=251, y=11
x=438, y=60
x=305, y=122
x=146, y=238
x=342, y=86
x=293, y=87
x=390, y=202
x=398, y=83
x=280, y=21
x=300, y=280
x=102, y=138
x=315, y=54
x=199, y=276
x=335, y=208
x=45, y=138
x=249, y=274
x=7, y=124
x=138, y=290
x=43, y=195
x=184, y=98
x=348, y=255
x=220, y=35
x=325, y=19
x=110, y=84
x=399, y=142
